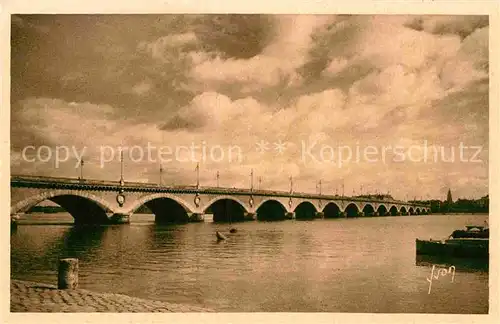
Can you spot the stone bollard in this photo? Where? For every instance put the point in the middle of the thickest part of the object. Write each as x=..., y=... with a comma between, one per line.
x=67, y=276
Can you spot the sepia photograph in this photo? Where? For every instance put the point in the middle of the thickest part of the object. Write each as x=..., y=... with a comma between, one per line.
x=249, y=163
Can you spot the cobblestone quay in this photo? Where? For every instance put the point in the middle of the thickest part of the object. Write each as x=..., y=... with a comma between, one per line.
x=37, y=297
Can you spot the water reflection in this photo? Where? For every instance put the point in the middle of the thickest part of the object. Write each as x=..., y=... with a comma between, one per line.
x=43, y=251
x=80, y=242
x=461, y=264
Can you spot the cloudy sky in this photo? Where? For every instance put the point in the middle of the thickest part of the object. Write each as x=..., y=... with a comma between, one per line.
x=311, y=83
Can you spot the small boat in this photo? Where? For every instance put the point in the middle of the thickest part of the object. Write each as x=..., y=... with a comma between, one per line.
x=233, y=230
x=472, y=231
x=473, y=242
x=220, y=236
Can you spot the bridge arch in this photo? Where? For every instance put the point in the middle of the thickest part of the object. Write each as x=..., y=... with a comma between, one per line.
x=226, y=209
x=393, y=211
x=411, y=211
x=227, y=197
x=298, y=201
x=85, y=207
x=368, y=210
x=271, y=199
x=167, y=208
x=351, y=210
x=382, y=210
x=417, y=211
x=403, y=210
x=271, y=209
x=331, y=210
x=305, y=210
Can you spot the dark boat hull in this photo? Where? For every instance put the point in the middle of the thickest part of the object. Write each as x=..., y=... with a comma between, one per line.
x=463, y=248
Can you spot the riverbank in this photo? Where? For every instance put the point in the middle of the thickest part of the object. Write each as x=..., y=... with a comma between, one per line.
x=28, y=296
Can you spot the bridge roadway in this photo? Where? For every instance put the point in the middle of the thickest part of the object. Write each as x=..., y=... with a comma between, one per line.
x=105, y=202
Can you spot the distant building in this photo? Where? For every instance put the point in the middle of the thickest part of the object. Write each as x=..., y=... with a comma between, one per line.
x=484, y=202
x=448, y=203
x=449, y=199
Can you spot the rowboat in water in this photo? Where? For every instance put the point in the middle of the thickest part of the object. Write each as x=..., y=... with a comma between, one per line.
x=220, y=236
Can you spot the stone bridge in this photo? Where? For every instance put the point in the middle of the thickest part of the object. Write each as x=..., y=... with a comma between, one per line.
x=105, y=202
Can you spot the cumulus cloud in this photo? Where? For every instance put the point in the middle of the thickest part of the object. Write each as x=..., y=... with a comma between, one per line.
x=167, y=47
x=459, y=25
x=292, y=40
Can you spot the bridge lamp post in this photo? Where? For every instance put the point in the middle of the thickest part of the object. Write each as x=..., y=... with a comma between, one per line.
x=197, y=169
x=81, y=169
x=319, y=186
x=291, y=184
x=121, y=169
x=251, y=180
x=260, y=182
x=161, y=174
x=217, y=179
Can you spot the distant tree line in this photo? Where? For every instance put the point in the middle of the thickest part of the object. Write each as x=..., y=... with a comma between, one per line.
x=143, y=210
x=459, y=206
x=46, y=209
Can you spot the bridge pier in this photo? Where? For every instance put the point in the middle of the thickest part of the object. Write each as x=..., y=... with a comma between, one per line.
x=196, y=218
x=250, y=216
x=375, y=213
x=290, y=215
x=119, y=218
x=361, y=214
x=320, y=215
x=343, y=214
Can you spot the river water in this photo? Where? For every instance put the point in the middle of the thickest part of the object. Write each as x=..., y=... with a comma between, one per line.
x=331, y=265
